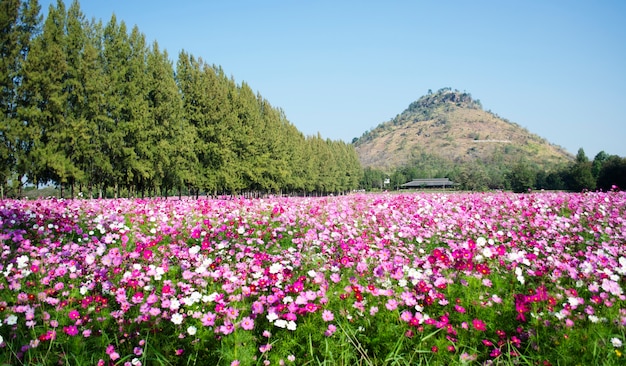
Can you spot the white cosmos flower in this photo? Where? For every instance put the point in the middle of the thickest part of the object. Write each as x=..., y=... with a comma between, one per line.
x=174, y=304
x=192, y=330
x=291, y=325
x=177, y=318
x=275, y=268
x=573, y=301
x=616, y=342
x=22, y=261
x=11, y=320
x=281, y=323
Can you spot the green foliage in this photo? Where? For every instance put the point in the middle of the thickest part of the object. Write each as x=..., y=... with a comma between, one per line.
x=580, y=175
x=522, y=177
x=612, y=173
x=93, y=107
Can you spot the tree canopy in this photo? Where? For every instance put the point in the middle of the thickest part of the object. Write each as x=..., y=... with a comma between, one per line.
x=91, y=106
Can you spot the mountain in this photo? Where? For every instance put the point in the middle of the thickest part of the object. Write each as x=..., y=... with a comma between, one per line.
x=451, y=127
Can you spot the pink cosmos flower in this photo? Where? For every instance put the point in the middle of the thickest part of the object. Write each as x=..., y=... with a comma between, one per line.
x=70, y=330
x=73, y=314
x=392, y=304
x=328, y=316
x=330, y=330
x=232, y=313
x=208, y=319
x=479, y=325
x=257, y=307
x=247, y=323
x=406, y=316
x=227, y=328
x=110, y=350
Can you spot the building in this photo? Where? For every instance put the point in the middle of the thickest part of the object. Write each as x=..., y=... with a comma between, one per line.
x=429, y=183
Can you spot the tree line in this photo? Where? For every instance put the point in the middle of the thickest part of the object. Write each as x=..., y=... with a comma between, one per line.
x=91, y=107
x=605, y=172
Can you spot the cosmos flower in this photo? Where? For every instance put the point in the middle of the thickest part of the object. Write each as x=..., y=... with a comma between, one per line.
x=247, y=323
x=177, y=318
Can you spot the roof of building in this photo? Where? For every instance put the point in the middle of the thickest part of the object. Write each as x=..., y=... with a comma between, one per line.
x=430, y=182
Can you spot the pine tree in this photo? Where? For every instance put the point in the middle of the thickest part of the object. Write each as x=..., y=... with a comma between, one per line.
x=9, y=69
x=197, y=89
x=43, y=104
x=19, y=24
x=174, y=161
x=73, y=139
x=114, y=129
x=94, y=84
x=140, y=136
x=295, y=147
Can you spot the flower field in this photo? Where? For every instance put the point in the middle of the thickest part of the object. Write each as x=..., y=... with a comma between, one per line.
x=388, y=279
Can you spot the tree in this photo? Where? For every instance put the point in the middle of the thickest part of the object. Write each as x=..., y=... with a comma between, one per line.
x=597, y=163
x=73, y=139
x=373, y=179
x=94, y=83
x=473, y=177
x=551, y=180
x=118, y=129
x=297, y=158
x=10, y=64
x=522, y=177
x=19, y=24
x=613, y=173
x=174, y=161
x=140, y=134
x=580, y=175
x=43, y=104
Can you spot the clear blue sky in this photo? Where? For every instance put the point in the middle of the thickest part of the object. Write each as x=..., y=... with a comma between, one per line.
x=557, y=68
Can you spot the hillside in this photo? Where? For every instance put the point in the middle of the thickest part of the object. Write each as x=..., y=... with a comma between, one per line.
x=452, y=126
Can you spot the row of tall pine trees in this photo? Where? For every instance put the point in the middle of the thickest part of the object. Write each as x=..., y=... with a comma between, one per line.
x=92, y=107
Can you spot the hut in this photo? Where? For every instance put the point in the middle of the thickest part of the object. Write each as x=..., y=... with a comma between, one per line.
x=429, y=183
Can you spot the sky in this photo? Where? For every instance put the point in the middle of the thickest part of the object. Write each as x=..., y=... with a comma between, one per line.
x=340, y=68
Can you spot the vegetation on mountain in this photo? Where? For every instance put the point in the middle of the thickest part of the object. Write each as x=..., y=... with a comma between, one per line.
x=93, y=107
x=448, y=134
